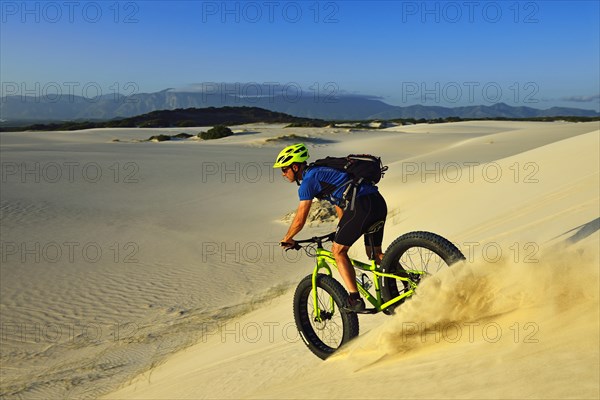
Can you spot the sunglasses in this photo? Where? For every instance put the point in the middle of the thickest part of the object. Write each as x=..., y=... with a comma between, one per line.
x=285, y=169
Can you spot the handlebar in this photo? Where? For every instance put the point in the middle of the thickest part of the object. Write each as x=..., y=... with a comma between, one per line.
x=319, y=240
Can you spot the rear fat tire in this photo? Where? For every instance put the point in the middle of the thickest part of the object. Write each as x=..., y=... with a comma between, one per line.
x=343, y=324
x=442, y=247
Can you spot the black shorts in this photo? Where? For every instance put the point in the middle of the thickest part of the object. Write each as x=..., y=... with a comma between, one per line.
x=368, y=210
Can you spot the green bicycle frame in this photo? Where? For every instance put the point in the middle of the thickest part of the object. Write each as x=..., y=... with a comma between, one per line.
x=324, y=257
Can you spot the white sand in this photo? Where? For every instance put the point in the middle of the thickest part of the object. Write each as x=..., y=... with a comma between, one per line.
x=188, y=234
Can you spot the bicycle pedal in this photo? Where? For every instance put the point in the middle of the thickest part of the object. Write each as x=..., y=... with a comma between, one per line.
x=367, y=311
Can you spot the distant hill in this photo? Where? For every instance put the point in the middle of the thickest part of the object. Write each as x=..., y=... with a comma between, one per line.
x=340, y=107
x=207, y=117
x=183, y=118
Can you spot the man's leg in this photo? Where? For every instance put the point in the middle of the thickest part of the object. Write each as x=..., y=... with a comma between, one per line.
x=354, y=302
x=340, y=252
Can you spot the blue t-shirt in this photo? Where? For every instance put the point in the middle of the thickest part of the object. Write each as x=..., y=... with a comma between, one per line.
x=316, y=179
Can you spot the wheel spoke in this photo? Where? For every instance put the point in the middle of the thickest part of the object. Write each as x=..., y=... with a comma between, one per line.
x=428, y=261
x=425, y=253
x=329, y=330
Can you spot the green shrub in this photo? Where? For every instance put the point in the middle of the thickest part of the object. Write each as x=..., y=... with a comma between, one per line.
x=160, y=138
x=216, y=132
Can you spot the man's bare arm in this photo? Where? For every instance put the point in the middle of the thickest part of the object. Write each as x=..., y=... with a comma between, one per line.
x=299, y=220
x=339, y=212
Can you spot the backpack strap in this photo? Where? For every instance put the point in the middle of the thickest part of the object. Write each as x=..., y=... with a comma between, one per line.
x=353, y=186
x=330, y=190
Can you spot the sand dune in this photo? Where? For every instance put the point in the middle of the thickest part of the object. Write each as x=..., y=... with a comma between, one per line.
x=191, y=298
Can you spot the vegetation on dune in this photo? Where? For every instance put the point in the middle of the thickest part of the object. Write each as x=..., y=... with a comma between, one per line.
x=159, y=138
x=182, y=135
x=228, y=116
x=311, y=123
x=291, y=137
x=217, y=132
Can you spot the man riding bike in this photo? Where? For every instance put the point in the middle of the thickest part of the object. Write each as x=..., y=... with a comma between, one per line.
x=369, y=208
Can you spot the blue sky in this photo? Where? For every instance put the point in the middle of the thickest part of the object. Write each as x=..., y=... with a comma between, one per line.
x=530, y=53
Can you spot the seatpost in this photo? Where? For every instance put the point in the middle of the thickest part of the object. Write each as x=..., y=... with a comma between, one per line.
x=372, y=255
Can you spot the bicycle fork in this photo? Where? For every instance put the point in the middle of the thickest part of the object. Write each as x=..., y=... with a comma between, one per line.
x=321, y=264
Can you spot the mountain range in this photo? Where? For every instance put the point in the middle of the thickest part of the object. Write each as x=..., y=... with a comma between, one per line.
x=341, y=107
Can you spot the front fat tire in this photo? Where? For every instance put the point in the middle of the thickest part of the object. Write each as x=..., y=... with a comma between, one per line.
x=398, y=255
x=334, y=332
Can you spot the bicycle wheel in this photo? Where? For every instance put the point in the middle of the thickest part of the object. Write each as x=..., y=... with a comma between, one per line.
x=335, y=327
x=420, y=251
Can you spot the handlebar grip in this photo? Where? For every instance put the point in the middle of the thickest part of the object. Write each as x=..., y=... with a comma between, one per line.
x=296, y=246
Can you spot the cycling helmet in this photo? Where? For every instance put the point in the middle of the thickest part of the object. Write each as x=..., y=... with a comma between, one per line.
x=295, y=153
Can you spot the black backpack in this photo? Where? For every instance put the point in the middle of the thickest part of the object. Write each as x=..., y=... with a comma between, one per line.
x=361, y=168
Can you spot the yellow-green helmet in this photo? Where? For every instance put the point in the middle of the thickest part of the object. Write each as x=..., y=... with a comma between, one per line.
x=295, y=153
